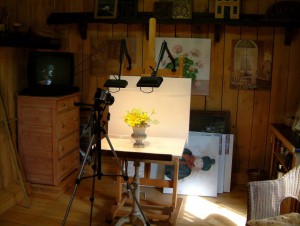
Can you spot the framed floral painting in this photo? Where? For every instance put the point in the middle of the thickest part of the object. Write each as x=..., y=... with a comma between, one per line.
x=196, y=52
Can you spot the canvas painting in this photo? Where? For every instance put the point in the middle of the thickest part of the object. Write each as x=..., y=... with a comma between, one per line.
x=251, y=65
x=198, y=169
x=227, y=143
x=196, y=52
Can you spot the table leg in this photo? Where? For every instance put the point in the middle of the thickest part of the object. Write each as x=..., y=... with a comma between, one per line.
x=136, y=217
x=175, y=182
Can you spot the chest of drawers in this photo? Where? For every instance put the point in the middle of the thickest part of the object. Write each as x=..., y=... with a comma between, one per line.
x=48, y=137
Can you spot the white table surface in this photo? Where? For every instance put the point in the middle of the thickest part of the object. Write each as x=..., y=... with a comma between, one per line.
x=153, y=146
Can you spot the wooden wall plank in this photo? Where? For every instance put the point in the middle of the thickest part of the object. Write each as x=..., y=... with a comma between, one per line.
x=137, y=32
x=34, y=12
x=200, y=6
x=293, y=94
x=263, y=6
x=214, y=99
x=62, y=30
x=87, y=76
x=257, y=158
x=230, y=96
x=7, y=173
x=249, y=6
x=140, y=5
x=148, y=5
x=280, y=70
x=245, y=117
x=8, y=93
x=75, y=43
x=199, y=31
x=211, y=7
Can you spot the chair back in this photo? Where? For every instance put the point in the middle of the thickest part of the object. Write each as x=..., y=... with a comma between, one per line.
x=265, y=197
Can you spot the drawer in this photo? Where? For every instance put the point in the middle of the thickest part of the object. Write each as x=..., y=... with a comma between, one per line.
x=38, y=166
x=37, y=141
x=67, y=164
x=66, y=104
x=67, y=144
x=36, y=116
x=68, y=122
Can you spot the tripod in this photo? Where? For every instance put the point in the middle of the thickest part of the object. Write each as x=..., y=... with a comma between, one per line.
x=102, y=100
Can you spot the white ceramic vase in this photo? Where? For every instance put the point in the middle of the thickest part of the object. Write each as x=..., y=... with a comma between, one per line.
x=139, y=135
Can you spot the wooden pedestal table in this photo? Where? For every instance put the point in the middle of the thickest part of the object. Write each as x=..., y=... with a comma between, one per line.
x=157, y=150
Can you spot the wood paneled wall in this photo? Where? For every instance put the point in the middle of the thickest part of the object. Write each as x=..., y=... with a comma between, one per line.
x=251, y=111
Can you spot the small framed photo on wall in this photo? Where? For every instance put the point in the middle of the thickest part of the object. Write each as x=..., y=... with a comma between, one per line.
x=182, y=9
x=106, y=8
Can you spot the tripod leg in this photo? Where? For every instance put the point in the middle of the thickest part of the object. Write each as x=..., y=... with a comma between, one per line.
x=92, y=198
x=77, y=181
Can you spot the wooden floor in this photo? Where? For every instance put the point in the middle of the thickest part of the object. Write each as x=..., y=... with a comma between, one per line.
x=49, y=209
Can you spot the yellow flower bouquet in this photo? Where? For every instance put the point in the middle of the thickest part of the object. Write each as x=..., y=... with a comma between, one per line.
x=138, y=118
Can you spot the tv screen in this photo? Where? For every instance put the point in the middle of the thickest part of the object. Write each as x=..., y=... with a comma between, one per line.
x=50, y=73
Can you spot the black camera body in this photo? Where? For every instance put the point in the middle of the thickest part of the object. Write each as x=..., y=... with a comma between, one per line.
x=103, y=97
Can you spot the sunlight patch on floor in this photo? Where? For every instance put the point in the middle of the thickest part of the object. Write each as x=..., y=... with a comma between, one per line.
x=202, y=209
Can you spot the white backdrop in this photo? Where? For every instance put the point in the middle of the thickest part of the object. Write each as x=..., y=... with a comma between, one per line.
x=171, y=103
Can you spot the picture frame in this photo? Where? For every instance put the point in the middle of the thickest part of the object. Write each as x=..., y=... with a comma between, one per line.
x=210, y=121
x=182, y=9
x=106, y=9
x=196, y=66
x=198, y=181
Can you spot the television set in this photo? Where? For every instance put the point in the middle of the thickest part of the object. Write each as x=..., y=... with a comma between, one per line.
x=50, y=73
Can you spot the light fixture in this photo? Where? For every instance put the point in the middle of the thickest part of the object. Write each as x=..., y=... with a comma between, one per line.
x=118, y=83
x=154, y=81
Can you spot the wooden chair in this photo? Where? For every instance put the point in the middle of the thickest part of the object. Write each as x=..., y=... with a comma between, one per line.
x=265, y=197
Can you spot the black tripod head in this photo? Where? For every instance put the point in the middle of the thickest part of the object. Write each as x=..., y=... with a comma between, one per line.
x=103, y=97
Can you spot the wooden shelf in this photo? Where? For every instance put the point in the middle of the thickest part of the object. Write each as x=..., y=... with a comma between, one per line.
x=24, y=40
x=284, y=137
x=250, y=20
x=286, y=134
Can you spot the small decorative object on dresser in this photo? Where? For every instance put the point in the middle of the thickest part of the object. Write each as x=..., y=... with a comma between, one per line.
x=106, y=8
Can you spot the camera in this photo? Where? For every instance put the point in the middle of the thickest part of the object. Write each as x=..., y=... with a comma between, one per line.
x=103, y=96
